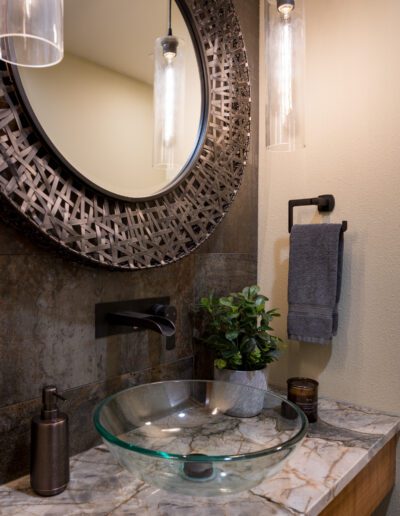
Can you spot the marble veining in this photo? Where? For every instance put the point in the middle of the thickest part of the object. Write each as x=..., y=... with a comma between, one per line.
x=221, y=435
x=311, y=478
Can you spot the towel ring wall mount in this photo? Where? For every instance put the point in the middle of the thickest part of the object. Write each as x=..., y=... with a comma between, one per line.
x=325, y=203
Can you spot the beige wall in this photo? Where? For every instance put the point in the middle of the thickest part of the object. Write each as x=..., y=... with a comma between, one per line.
x=353, y=152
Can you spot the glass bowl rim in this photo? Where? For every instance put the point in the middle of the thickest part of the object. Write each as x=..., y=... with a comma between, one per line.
x=105, y=434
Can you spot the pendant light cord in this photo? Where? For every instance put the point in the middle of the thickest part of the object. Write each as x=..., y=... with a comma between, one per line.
x=170, y=18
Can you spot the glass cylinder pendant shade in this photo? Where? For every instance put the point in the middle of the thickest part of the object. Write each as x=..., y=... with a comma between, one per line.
x=169, y=102
x=285, y=60
x=31, y=32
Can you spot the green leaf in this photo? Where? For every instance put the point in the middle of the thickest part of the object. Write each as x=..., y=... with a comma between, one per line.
x=232, y=335
x=226, y=301
x=253, y=291
x=237, y=359
x=220, y=363
x=260, y=300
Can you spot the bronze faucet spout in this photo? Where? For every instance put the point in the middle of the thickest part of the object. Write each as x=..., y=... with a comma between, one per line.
x=137, y=320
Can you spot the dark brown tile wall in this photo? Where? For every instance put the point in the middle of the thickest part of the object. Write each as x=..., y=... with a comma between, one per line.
x=47, y=311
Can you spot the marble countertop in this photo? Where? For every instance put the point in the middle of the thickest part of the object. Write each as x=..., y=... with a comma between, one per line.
x=343, y=441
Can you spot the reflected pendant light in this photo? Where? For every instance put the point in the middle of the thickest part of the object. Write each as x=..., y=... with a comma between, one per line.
x=169, y=90
x=285, y=56
x=31, y=32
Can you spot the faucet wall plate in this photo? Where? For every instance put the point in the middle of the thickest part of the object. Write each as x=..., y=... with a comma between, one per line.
x=103, y=326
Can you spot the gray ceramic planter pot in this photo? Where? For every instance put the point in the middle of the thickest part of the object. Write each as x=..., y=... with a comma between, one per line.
x=247, y=403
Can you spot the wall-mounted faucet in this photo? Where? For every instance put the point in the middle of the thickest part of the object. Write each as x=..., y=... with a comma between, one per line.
x=142, y=314
x=139, y=321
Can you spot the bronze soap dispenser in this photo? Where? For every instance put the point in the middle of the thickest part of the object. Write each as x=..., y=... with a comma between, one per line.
x=49, y=446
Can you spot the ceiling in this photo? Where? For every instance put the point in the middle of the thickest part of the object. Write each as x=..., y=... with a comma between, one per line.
x=120, y=34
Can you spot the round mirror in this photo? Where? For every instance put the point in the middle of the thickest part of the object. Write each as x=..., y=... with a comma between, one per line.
x=107, y=225
x=96, y=108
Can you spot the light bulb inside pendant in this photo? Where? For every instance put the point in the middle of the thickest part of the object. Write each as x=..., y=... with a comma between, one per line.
x=285, y=7
x=170, y=47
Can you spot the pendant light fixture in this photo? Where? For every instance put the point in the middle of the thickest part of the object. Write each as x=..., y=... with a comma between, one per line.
x=169, y=90
x=31, y=32
x=285, y=55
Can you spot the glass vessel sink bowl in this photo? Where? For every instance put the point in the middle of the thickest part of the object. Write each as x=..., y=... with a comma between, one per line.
x=190, y=436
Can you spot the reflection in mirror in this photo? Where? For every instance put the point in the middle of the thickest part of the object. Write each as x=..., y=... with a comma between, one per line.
x=96, y=106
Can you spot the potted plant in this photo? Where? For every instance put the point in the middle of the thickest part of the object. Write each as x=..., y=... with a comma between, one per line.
x=237, y=329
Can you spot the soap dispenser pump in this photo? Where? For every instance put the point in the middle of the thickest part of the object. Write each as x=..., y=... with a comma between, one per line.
x=49, y=468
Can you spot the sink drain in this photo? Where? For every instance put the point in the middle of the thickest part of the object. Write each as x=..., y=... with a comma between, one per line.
x=198, y=471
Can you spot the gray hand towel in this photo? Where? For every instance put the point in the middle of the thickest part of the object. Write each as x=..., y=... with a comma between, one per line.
x=315, y=273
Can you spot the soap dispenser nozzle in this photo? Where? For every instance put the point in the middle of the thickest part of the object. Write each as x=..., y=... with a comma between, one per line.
x=49, y=400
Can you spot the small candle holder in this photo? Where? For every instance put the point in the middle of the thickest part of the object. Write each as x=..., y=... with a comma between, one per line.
x=304, y=393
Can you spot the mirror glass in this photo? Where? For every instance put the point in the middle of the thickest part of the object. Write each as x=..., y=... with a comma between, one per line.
x=96, y=106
